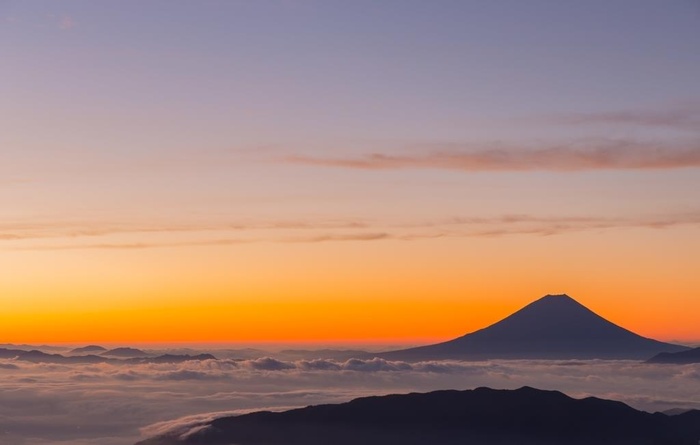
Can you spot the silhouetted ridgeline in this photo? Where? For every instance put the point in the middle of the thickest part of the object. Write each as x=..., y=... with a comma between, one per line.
x=90, y=349
x=125, y=353
x=42, y=357
x=679, y=358
x=553, y=327
x=480, y=416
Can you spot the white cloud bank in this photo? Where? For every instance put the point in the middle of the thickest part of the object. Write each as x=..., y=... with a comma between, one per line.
x=110, y=404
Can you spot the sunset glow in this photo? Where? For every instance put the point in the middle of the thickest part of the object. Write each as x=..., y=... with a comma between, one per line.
x=345, y=172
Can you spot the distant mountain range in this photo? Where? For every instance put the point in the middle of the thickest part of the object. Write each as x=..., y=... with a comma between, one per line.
x=678, y=358
x=36, y=356
x=123, y=352
x=553, y=327
x=477, y=417
x=45, y=348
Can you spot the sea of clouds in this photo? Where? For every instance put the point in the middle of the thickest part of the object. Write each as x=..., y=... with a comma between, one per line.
x=119, y=404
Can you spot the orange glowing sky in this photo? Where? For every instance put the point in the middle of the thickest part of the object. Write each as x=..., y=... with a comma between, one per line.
x=305, y=172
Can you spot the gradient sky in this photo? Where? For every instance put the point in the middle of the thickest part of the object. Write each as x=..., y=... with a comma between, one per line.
x=394, y=171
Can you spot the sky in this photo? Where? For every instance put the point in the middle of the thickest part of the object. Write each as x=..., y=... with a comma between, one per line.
x=354, y=172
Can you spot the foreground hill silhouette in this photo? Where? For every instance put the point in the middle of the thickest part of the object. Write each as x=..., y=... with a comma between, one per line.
x=678, y=358
x=480, y=416
x=553, y=327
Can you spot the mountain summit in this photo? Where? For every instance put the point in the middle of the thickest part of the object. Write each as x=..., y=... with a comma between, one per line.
x=553, y=327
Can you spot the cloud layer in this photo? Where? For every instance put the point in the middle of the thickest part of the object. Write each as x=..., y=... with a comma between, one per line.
x=116, y=404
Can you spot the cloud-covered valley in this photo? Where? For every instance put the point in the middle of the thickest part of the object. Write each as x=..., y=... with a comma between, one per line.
x=117, y=404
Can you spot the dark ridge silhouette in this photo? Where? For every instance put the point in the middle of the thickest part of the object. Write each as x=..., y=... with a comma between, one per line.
x=25, y=347
x=91, y=349
x=678, y=358
x=42, y=357
x=125, y=353
x=35, y=356
x=553, y=327
x=220, y=353
x=477, y=417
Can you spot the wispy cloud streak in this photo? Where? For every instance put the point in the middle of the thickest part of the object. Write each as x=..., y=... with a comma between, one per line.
x=456, y=227
x=600, y=155
x=686, y=116
x=87, y=229
x=214, y=242
x=341, y=237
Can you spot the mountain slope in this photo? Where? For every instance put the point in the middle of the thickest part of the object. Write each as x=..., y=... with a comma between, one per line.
x=553, y=327
x=679, y=358
x=480, y=416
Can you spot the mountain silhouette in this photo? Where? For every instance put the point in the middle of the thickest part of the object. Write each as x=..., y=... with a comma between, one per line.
x=125, y=353
x=25, y=347
x=476, y=417
x=35, y=356
x=553, y=327
x=90, y=349
x=679, y=358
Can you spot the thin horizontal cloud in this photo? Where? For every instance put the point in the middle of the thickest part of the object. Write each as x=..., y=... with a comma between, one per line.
x=456, y=227
x=510, y=225
x=537, y=225
x=212, y=242
x=597, y=155
x=523, y=224
x=140, y=245
x=685, y=116
x=73, y=229
x=342, y=237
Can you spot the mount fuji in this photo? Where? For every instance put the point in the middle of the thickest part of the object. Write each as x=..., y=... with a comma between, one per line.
x=553, y=327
